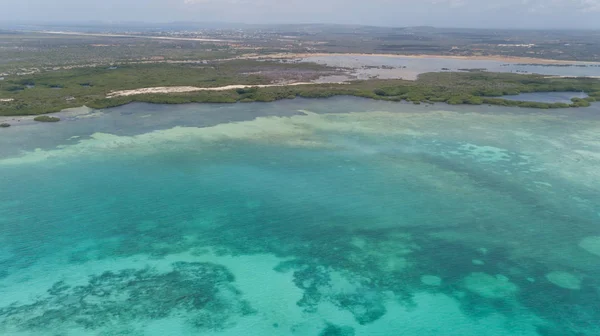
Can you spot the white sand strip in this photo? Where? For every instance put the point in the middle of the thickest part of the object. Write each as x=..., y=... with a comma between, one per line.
x=134, y=36
x=180, y=89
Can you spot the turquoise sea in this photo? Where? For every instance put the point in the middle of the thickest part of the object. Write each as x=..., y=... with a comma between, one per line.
x=342, y=216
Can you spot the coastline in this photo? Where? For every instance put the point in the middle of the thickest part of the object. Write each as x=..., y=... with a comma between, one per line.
x=89, y=112
x=72, y=112
x=499, y=58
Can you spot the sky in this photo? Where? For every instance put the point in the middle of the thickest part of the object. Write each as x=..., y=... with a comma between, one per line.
x=577, y=14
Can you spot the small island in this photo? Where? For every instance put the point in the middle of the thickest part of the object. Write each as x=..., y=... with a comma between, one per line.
x=46, y=119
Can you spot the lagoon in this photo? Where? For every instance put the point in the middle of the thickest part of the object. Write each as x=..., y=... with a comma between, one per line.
x=407, y=67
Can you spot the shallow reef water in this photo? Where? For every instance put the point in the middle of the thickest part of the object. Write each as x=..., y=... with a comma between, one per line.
x=303, y=217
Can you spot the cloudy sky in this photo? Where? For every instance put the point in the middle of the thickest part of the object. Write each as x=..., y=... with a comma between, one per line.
x=440, y=13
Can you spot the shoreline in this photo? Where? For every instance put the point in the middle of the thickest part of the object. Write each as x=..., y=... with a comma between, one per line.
x=499, y=58
x=23, y=120
x=89, y=112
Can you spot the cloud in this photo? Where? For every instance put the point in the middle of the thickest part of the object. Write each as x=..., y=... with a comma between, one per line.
x=558, y=6
x=548, y=6
x=451, y=3
x=400, y=8
x=589, y=5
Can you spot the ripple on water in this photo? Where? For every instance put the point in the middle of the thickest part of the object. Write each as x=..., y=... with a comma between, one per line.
x=328, y=223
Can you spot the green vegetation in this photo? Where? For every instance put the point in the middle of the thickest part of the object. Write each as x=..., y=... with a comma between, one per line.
x=462, y=88
x=53, y=91
x=45, y=73
x=46, y=119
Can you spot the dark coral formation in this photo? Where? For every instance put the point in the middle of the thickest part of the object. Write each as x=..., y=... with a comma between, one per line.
x=204, y=290
x=334, y=330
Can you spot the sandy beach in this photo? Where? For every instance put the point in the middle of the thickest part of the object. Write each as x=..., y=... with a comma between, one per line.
x=183, y=89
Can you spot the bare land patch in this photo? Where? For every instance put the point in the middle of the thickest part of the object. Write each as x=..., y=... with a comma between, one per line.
x=183, y=89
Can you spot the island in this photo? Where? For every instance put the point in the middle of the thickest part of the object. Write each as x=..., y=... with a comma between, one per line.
x=100, y=71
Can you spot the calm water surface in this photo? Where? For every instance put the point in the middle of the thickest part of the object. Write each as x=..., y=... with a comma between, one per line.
x=547, y=97
x=304, y=217
x=368, y=66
